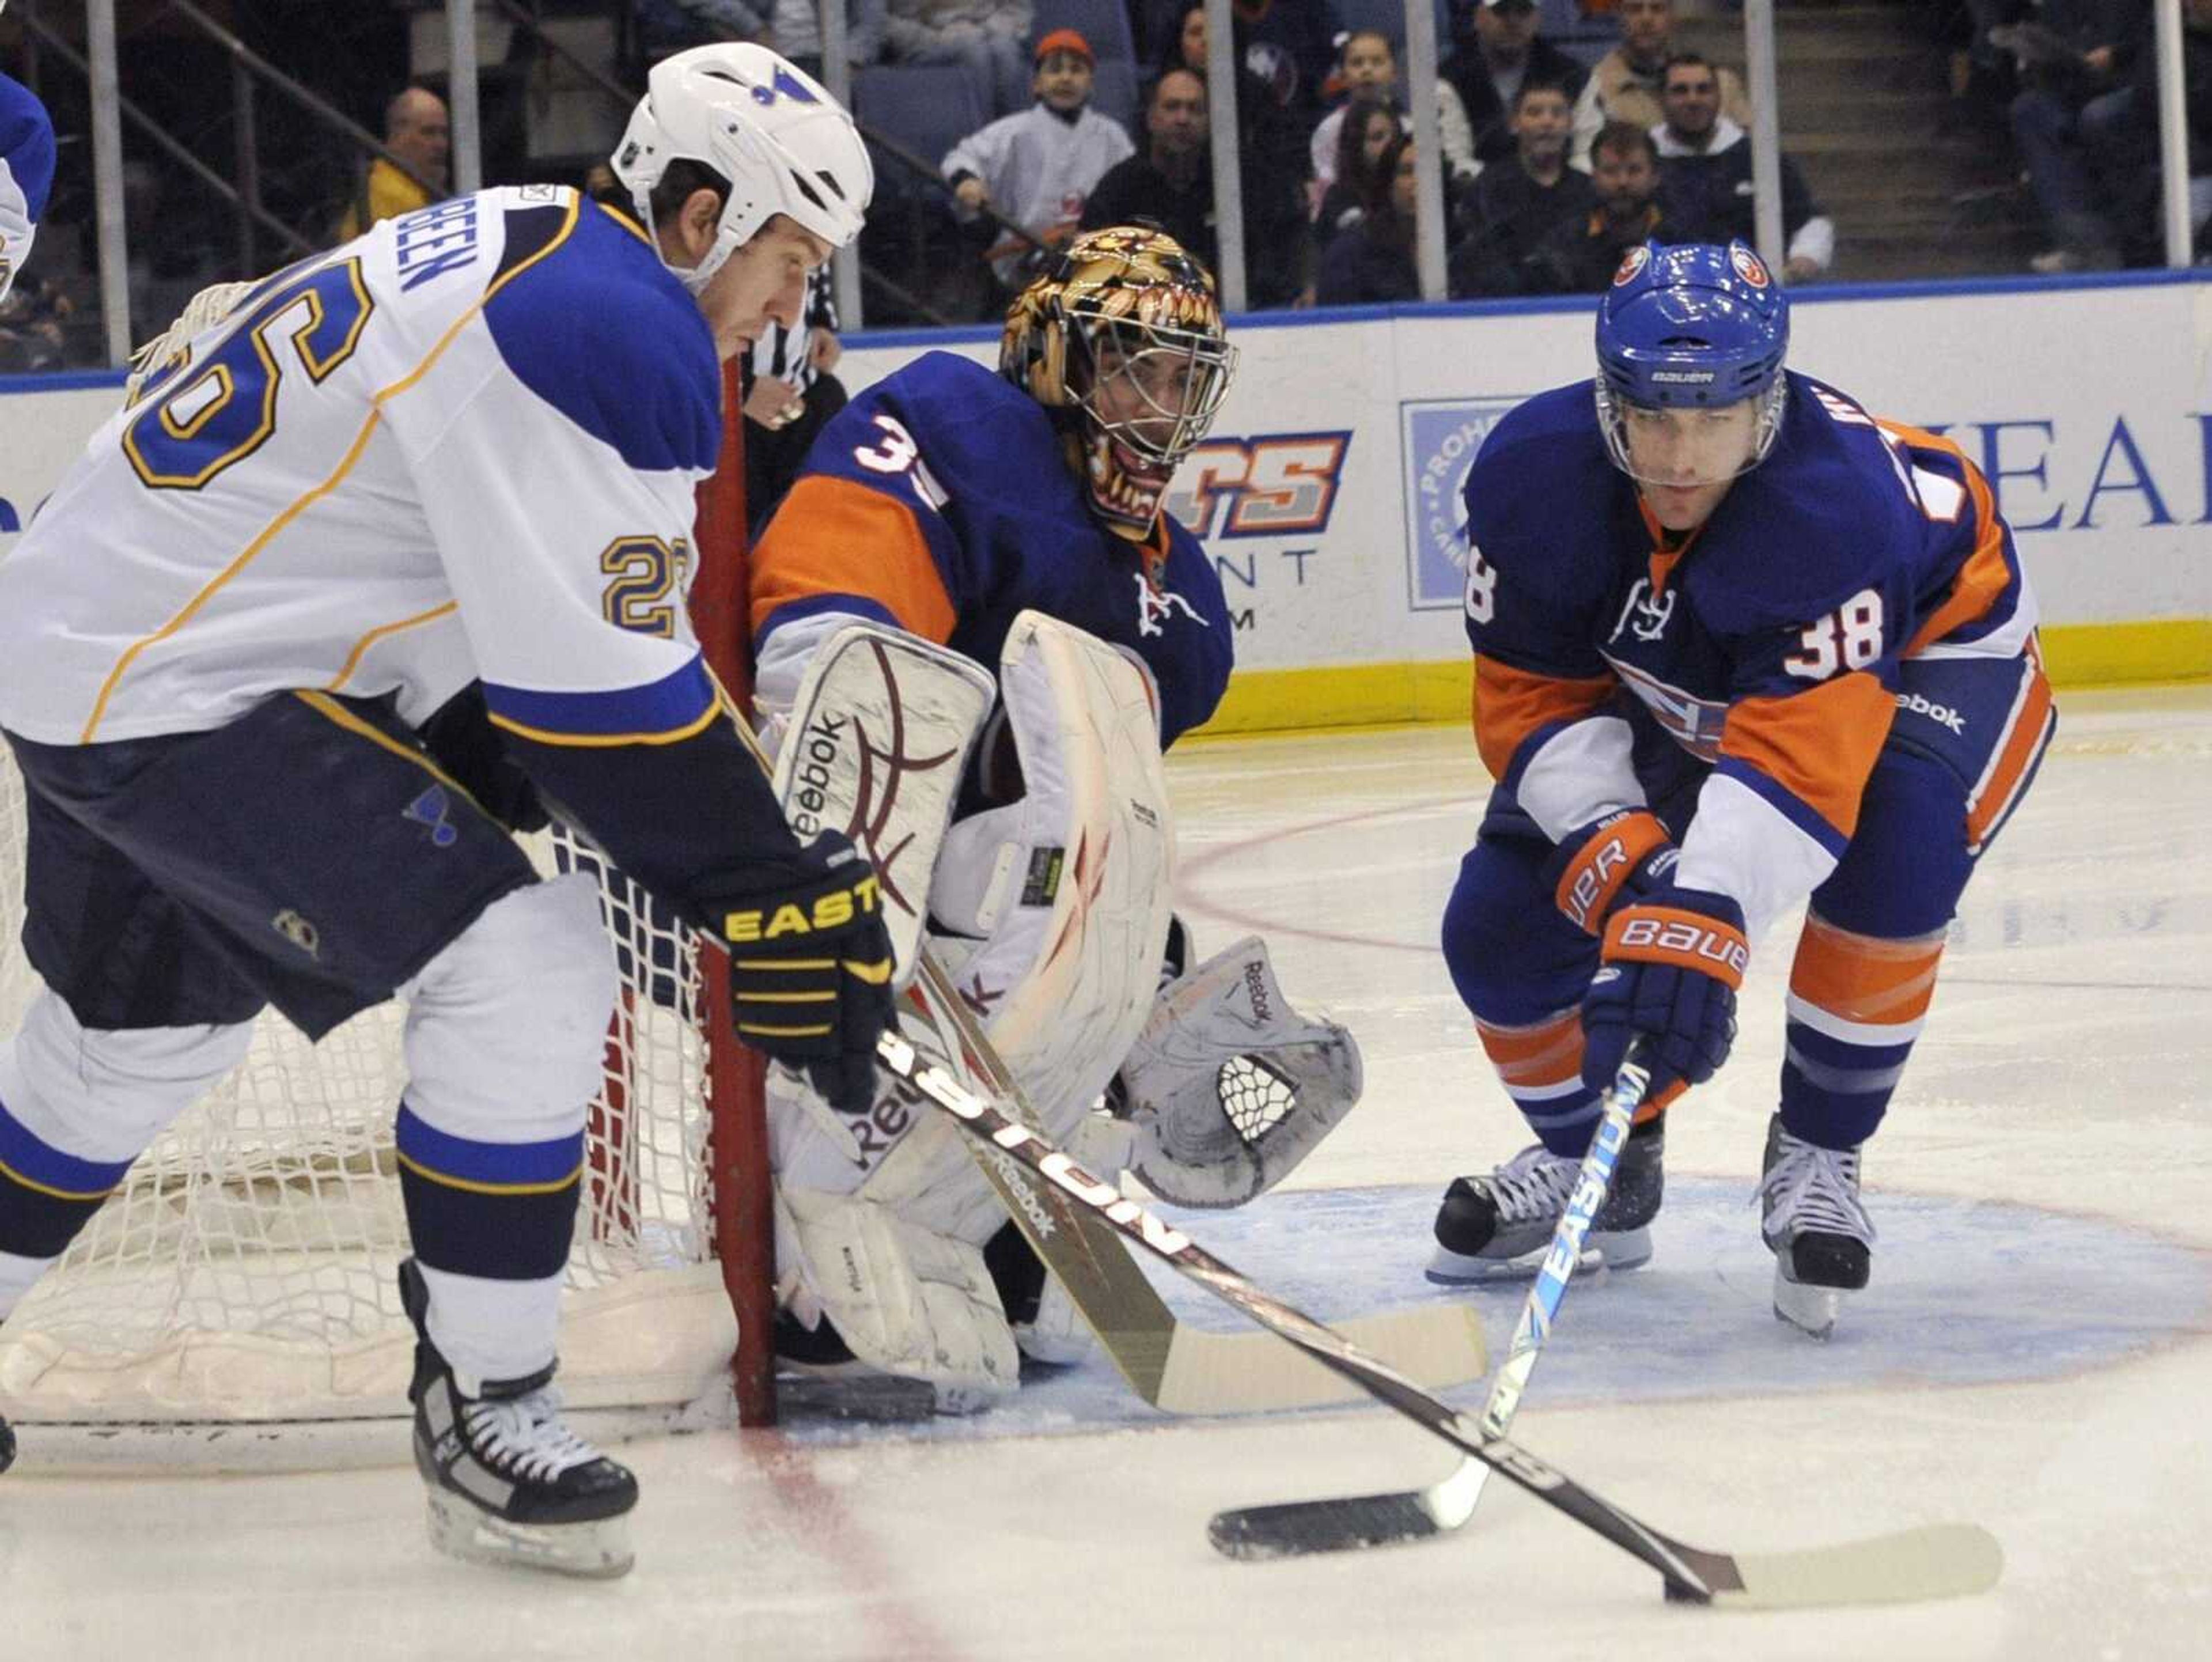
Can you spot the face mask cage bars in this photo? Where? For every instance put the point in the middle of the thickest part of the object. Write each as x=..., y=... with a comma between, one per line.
x=1143, y=356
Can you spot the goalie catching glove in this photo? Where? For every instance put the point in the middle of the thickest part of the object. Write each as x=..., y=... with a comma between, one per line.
x=1227, y=1087
x=810, y=972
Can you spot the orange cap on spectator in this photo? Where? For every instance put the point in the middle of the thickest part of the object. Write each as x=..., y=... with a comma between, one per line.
x=1067, y=41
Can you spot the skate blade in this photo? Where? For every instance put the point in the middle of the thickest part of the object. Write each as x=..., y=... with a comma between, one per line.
x=1811, y=1310
x=599, y=1551
x=1627, y=1249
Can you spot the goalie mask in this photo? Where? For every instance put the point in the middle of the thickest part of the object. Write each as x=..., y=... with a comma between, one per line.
x=1124, y=335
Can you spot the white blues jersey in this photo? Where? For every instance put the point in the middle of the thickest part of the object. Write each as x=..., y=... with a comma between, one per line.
x=461, y=447
x=26, y=174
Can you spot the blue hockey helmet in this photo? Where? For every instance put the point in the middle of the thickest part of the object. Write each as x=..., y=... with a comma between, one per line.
x=1693, y=325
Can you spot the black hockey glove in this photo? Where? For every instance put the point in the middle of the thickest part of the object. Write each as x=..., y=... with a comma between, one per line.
x=810, y=972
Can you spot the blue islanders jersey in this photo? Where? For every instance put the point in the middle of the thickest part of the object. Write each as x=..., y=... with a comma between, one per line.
x=939, y=502
x=1767, y=643
x=26, y=174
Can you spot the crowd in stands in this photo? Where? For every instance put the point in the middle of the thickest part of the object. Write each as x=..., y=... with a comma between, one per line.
x=1568, y=131
x=1555, y=153
x=2077, y=81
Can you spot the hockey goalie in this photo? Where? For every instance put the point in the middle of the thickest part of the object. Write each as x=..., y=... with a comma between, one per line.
x=977, y=631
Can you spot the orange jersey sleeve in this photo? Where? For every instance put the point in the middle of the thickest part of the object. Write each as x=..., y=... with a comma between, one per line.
x=832, y=536
x=1511, y=704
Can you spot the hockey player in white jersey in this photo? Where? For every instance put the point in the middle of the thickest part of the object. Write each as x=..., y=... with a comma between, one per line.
x=400, y=545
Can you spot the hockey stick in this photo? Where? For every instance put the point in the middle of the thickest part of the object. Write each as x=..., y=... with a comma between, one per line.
x=1938, y=1561
x=1171, y=1365
x=1339, y=1523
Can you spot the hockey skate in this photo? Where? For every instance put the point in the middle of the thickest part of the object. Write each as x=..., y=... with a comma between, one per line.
x=509, y=1482
x=1499, y=1227
x=7, y=1445
x=1820, y=1235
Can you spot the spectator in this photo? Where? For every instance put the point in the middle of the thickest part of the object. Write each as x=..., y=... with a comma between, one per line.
x=1171, y=184
x=1626, y=83
x=2071, y=118
x=1704, y=175
x=1371, y=261
x=415, y=132
x=791, y=395
x=1370, y=66
x=796, y=33
x=1290, y=46
x=672, y=25
x=1273, y=126
x=1580, y=257
x=1036, y=169
x=2135, y=165
x=1491, y=57
x=1520, y=201
x=987, y=37
x=34, y=326
x=1361, y=138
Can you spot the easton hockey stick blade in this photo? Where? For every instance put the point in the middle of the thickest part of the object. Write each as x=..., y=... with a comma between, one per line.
x=1915, y=1564
x=1171, y=1365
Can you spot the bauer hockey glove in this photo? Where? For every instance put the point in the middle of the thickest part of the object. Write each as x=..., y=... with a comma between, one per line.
x=810, y=974
x=1622, y=858
x=1669, y=970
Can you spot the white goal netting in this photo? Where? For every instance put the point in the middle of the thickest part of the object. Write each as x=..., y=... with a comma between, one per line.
x=244, y=1273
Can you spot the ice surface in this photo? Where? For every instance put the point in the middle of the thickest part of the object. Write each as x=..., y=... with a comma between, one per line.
x=2032, y=1354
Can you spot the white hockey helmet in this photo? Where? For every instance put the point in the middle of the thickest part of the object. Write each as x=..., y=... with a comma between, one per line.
x=774, y=132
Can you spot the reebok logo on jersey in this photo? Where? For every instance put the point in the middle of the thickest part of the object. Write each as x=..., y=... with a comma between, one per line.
x=1942, y=714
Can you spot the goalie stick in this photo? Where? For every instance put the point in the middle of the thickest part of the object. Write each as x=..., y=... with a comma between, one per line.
x=1937, y=1562
x=1340, y=1524
x=1171, y=1365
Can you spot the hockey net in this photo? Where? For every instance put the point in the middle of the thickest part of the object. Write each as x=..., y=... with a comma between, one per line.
x=244, y=1274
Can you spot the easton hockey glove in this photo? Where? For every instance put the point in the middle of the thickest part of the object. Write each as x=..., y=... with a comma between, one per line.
x=811, y=973
x=1623, y=857
x=1669, y=969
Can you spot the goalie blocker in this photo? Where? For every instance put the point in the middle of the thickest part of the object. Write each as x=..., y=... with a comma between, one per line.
x=1048, y=905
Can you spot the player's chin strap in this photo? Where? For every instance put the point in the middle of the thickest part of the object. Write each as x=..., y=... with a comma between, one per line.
x=1227, y=1087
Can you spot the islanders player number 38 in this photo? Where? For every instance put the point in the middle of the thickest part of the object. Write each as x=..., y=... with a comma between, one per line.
x=1740, y=646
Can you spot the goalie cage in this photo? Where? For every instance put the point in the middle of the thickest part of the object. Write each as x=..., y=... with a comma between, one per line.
x=234, y=1305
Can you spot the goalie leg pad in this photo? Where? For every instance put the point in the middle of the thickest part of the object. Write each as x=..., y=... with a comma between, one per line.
x=906, y=1301
x=1229, y=1087
x=1064, y=895
x=878, y=738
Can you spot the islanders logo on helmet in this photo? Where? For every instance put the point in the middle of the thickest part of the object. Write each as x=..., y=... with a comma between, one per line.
x=1748, y=265
x=1632, y=264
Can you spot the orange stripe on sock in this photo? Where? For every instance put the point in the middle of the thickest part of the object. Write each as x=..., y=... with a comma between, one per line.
x=1863, y=979
x=2021, y=747
x=1547, y=1052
